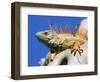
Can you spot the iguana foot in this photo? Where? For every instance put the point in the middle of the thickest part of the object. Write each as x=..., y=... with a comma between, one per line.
x=76, y=48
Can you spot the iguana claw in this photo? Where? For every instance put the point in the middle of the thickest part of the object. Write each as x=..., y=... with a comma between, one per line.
x=76, y=48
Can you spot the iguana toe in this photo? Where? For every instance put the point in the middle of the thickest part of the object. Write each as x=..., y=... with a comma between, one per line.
x=76, y=48
x=81, y=51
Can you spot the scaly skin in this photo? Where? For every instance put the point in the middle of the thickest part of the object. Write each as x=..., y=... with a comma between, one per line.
x=66, y=41
x=59, y=41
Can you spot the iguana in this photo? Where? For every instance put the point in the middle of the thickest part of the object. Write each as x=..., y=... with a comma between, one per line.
x=61, y=40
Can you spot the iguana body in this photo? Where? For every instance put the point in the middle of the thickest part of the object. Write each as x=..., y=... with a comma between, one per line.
x=61, y=40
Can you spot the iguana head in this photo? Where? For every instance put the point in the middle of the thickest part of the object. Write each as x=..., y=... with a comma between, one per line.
x=45, y=36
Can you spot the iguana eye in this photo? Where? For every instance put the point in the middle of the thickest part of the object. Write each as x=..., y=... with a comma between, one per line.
x=46, y=33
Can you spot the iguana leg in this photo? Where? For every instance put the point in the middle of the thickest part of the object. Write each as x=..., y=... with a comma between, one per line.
x=76, y=47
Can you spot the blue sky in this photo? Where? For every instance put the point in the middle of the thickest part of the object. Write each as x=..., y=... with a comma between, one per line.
x=37, y=50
